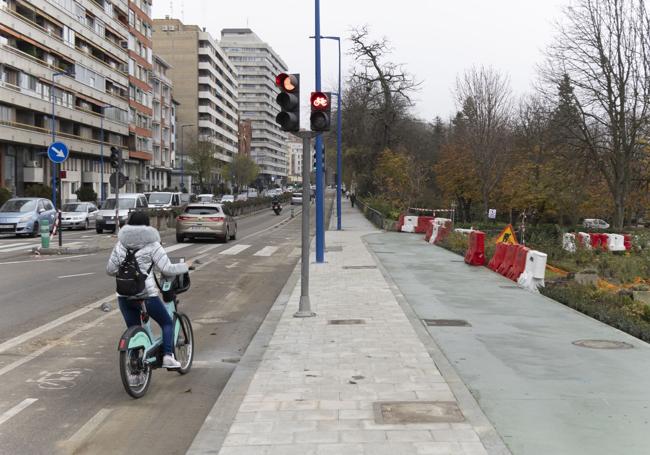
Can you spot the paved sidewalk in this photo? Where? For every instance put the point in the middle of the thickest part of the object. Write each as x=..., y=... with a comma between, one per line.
x=319, y=386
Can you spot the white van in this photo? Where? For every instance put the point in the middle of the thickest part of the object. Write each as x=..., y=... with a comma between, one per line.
x=595, y=223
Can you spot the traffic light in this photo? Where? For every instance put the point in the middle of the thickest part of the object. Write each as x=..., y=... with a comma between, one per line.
x=289, y=101
x=314, y=159
x=321, y=109
x=115, y=158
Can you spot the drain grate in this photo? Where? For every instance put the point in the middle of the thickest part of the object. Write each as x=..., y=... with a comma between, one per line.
x=602, y=344
x=346, y=321
x=447, y=322
x=359, y=267
x=408, y=412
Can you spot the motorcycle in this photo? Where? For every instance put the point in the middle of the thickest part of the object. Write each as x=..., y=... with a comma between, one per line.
x=277, y=208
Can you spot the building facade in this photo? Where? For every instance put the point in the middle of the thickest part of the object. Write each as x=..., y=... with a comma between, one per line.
x=66, y=56
x=295, y=161
x=257, y=65
x=205, y=85
x=159, y=169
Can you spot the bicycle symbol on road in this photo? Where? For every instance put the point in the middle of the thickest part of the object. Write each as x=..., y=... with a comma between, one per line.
x=59, y=380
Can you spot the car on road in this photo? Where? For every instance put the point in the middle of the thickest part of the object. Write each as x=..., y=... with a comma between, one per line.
x=24, y=215
x=296, y=199
x=164, y=200
x=78, y=215
x=205, y=198
x=595, y=223
x=227, y=198
x=129, y=202
x=206, y=220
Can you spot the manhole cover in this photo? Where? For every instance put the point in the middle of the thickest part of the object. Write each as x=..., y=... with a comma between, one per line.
x=334, y=249
x=405, y=412
x=357, y=267
x=603, y=344
x=346, y=321
x=447, y=322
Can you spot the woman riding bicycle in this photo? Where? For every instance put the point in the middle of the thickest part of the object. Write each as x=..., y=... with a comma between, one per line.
x=138, y=236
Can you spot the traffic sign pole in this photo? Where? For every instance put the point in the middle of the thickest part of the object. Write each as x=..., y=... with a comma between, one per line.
x=57, y=152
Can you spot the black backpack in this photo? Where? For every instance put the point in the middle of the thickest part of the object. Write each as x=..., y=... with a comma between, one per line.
x=130, y=281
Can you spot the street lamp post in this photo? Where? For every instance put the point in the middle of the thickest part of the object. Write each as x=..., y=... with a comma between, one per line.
x=182, y=153
x=320, y=184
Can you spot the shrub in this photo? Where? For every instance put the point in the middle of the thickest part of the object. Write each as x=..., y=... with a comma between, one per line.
x=86, y=194
x=5, y=195
x=38, y=190
x=455, y=242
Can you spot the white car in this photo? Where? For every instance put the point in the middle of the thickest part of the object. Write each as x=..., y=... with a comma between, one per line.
x=296, y=199
x=164, y=200
x=227, y=198
x=129, y=202
x=78, y=215
x=595, y=223
x=205, y=198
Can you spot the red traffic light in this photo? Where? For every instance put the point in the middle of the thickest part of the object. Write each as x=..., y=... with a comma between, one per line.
x=319, y=101
x=286, y=82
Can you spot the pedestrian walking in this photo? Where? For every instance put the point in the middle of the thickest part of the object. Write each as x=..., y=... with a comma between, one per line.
x=353, y=198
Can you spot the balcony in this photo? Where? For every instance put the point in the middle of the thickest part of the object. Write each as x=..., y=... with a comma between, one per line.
x=33, y=174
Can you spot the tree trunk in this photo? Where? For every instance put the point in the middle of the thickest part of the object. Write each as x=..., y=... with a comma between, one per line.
x=619, y=209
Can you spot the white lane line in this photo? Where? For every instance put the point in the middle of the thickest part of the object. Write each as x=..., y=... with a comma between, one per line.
x=9, y=245
x=90, y=426
x=8, y=414
x=20, y=248
x=178, y=246
x=78, y=274
x=36, y=261
x=234, y=264
x=12, y=366
x=235, y=250
x=266, y=251
x=210, y=248
x=12, y=343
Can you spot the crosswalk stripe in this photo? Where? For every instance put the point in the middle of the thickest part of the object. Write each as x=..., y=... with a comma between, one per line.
x=9, y=245
x=235, y=250
x=210, y=248
x=178, y=246
x=266, y=251
x=19, y=248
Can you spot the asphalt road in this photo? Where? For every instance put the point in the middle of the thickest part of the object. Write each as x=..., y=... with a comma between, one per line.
x=61, y=389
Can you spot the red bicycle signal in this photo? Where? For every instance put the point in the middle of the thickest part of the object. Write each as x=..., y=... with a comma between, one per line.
x=319, y=101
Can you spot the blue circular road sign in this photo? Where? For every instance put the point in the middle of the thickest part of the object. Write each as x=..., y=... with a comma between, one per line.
x=58, y=152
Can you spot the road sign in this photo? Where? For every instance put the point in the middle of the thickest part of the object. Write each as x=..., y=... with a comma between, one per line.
x=121, y=179
x=507, y=236
x=492, y=214
x=58, y=152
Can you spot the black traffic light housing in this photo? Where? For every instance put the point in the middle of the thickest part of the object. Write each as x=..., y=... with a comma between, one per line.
x=322, y=160
x=116, y=158
x=321, y=111
x=289, y=101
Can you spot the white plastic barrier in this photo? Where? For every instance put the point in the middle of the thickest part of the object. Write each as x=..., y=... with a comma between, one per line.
x=569, y=242
x=615, y=242
x=437, y=224
x=410, y=223
x=464, y=231
x=585, y=240
x=533, y=277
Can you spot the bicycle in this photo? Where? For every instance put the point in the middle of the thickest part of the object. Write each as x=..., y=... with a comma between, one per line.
x=141, y=351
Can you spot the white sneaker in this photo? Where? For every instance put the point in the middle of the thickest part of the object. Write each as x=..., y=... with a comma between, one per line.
x=170, y=362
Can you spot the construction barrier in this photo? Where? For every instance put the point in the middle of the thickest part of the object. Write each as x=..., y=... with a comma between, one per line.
x=499, y=256
x=445, y=225
x=508, y=260
x=410, y=223
x=519, y=263
x=422, y=224
x=627, y=241
x=476, y=251
x=596, y=240
x=615, y=242
x=429, y=232
x=532, y=277
x=400, y=222
x=584, y=240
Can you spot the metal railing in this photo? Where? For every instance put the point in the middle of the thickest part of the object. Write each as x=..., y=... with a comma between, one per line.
x=374, y=216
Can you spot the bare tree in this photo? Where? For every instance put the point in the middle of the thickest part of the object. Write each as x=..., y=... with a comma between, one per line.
x=486, y=106
x=603, y=50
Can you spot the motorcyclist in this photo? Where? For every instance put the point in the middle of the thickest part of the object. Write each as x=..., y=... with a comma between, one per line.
x=145, y=240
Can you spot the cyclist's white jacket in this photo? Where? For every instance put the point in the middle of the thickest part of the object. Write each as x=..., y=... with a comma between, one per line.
x=146, y=240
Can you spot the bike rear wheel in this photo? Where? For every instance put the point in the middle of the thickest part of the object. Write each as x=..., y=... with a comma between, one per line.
x=135, y=372
x=184, y=346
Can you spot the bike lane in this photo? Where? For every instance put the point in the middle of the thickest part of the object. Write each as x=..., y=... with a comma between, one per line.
x=544, y=394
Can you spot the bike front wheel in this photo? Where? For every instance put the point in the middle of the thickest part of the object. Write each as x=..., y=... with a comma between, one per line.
x=135, y=372
x=184, y=346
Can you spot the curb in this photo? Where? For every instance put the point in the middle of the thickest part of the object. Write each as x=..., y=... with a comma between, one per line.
x=64, y=250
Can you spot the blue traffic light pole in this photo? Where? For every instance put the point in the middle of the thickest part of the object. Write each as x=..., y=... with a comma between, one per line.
x=320, y=196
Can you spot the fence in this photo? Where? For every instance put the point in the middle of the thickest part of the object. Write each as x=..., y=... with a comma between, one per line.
x=376, y=217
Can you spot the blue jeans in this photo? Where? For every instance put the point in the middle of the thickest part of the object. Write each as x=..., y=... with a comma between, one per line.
x=156, y=309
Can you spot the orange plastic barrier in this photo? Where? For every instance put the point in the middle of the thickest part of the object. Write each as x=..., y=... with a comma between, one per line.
x=423, y=224
x=627, y=241
x=519, y=264
x=400, y=222
x=429, y=232
x=499, y=256
x=508, y=261
x=475, y=254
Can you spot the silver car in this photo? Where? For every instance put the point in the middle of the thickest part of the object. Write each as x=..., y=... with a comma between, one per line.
x=24, y=215
x=206, y=220
x=78, y=215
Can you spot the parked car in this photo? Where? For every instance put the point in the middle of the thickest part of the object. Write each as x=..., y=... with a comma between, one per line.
x=241, y=197
x=164, y=200
x=128, y=202
x=227, y=198
x=595, y=223
x=205, y=198
x=78, y=215
x=296, y=199
x=206, y=220
x=23, y=215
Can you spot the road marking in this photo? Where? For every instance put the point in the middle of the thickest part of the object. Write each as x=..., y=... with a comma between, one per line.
x=234, y=264
x=178, y=246
x=235, y=250
x=78, y=274
x=20, y=248
x=90, y=426
x=16, y=409
x=12, y=366
x=266, y=251
x=210, y=248
x=9, y=245
x=35, y=261
x=295, y=253
x=9, y=344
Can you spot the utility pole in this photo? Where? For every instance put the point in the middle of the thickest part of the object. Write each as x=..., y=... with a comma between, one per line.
x=320, y=187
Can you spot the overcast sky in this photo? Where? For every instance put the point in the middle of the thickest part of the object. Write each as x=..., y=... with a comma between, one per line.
x=435, y=39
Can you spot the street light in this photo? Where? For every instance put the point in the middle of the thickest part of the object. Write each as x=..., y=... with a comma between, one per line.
x=182, y=153
x=101, y=152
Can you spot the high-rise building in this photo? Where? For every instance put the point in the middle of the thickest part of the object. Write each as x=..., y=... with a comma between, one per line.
x=257, y=65
x=68, y=57
x=140, y=48
x=163, y=126
x=295, y=161
x=205, y=85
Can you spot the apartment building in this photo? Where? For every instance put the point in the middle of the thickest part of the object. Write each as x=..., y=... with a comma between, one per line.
x=295, y=161
x=205, y=85
x=159, y=169
x=257, y=65
x=68, y=56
